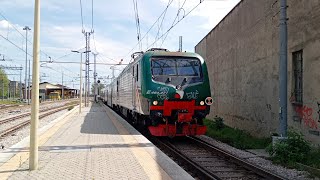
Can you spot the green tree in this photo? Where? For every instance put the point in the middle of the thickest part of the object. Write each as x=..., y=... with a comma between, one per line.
x=99, y=87
x=4, y=83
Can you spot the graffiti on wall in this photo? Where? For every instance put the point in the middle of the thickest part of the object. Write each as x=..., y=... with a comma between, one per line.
x=305, y=114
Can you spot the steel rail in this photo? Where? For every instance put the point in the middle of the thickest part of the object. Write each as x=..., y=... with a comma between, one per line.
x=10, y=119
x=24, y=123
x=256, y=169
x=186, y=161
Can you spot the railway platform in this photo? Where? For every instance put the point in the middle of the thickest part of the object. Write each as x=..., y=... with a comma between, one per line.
x=96, y=144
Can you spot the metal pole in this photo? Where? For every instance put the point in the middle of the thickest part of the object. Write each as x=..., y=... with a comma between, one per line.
x=14, y=90
x=95, y=76
x=283, y=69
x=62, y=92
x=85, y=87
x=33, y=157
x=80, y=84
x=29, y=91
x=180, y=43
x=2, y=88
x=87, y=36
x=8, y=92
x=20, y=85
x=26, y=28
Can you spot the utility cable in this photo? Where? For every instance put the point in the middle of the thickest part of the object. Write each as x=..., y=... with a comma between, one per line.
x=178, y=13
x=173, y=25
x=163, y=19
x=149, y=29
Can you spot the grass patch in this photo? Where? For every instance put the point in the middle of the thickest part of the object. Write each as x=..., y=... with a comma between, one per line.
x=313, y=159
x=10, y=102
x=234, y=137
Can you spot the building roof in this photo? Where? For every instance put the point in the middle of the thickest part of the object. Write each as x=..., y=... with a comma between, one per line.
x=47, y=85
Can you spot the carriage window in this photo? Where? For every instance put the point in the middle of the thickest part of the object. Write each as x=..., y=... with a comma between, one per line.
x=137, y=72
x=117, y=86
x=176, y=66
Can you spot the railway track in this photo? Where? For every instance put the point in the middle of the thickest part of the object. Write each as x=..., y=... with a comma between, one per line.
x=10, y=119
x=8, y=106
x=24, y=123
x=4, y=107
x=205, y=161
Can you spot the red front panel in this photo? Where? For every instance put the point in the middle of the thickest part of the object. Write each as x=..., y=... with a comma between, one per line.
x=184, y=117
x=168, y=106
x=170, y=130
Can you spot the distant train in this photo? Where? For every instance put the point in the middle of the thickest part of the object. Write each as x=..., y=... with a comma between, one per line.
x=167, y=92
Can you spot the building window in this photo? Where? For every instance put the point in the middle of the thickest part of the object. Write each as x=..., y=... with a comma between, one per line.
x=297, y=63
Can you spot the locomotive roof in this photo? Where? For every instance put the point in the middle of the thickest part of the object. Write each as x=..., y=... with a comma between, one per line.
x=168, y=53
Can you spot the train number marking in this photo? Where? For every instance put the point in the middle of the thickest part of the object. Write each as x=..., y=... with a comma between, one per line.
x=162, y=92
x=192, y=95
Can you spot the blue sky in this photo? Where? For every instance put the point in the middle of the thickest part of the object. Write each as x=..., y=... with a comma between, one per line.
x=114, y=27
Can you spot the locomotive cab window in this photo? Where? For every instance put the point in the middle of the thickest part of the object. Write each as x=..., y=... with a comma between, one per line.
x=176, y=67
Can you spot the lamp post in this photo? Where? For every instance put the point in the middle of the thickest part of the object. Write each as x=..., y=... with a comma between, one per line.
x=26, y=28
x=80, y=103
x=33, y=156
x=95, y=76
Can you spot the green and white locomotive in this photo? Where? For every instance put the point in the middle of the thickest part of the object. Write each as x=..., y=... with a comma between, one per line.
x=167, y=92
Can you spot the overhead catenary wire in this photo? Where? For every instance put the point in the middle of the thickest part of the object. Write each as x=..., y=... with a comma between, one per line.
x=174, y=24
x=150, y=28
x=170, y=1
x=23, y=36
x=23, y=50
x=14, y=44
x=1, y=14
x=178, y=13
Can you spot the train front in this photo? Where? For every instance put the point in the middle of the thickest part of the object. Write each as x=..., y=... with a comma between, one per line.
x=178, y=91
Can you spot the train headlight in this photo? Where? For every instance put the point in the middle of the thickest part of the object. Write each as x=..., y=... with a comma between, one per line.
x=155, y=103
x=201, y=103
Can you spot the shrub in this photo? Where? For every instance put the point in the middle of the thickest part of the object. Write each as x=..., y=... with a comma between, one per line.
x=219, y=122
x=294, y=149
x=70, y=107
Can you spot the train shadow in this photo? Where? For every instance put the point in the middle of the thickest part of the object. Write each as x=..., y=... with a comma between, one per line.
x=100, y=119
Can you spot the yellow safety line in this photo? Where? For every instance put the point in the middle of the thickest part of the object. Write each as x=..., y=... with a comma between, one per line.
x=17, y=160
x=150, y=166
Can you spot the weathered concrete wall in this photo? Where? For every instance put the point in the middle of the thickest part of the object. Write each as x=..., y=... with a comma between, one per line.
x=243, y=61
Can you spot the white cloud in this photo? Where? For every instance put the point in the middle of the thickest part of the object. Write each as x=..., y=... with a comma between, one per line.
x=4, y=24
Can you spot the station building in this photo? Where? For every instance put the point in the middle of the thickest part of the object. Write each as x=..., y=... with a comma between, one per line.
x=48, y=91
x=242, y=54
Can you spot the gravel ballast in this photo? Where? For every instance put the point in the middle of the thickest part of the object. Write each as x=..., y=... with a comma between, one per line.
x=259, y=161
